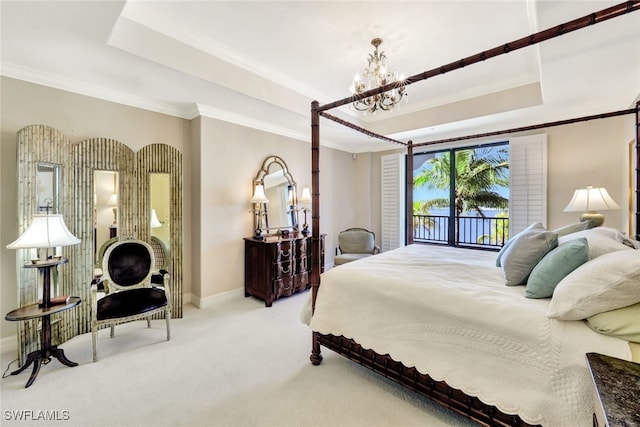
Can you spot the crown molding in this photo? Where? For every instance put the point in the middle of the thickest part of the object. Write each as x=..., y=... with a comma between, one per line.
x=94, y=91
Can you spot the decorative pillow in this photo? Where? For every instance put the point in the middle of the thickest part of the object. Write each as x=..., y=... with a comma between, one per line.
x=602, y=240
x=621, y=323
x=555, y=266
x=525, y=252
x=535, y=225
x=605, y=283
x=573, y=228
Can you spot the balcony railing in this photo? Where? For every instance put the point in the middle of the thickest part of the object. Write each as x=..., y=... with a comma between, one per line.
x=489, y=232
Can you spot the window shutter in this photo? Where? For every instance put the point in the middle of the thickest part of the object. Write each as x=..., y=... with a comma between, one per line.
x=392, y=199
x=527, y=182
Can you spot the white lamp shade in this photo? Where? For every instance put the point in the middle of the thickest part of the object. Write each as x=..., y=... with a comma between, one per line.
x=155, y=222
x=113, y=200
x=45, y=231
x=306, y=195
x=258, y=195
x=591, y=199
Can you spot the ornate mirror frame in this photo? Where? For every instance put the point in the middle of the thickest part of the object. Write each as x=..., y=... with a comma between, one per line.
x=268, y=166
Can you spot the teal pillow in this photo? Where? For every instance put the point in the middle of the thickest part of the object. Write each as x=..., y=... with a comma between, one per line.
x=555, y=265
x=525, y=252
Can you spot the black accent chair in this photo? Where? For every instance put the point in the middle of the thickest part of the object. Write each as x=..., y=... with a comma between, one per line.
x=134, y=292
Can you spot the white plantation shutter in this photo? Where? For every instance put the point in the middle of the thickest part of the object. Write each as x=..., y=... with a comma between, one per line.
x=527, y=182
x=392, y=199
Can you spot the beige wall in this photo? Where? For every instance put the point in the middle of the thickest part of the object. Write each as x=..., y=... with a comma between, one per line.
x=229, y=158
x=221, y=159
x=78, y=117
x=587, y=153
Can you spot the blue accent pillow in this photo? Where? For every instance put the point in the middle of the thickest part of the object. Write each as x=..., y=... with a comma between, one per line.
x=555, y=265
x=527, y=249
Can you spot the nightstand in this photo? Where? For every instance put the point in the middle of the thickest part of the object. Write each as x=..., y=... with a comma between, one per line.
x=617, y=388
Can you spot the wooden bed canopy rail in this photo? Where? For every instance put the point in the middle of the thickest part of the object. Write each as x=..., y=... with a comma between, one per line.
x=440, y=392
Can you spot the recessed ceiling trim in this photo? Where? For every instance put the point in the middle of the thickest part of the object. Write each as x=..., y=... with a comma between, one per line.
x=238, y=119
x=93, y=91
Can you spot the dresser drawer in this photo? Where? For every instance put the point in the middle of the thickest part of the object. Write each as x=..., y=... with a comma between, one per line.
x=284, y=286
x=283, y=269
x=301, y=248
x=283, y=251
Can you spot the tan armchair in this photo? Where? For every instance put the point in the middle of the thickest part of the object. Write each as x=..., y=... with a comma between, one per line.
x=355, y=243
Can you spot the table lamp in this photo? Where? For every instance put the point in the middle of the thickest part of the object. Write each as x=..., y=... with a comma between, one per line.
x=590, y=200
x=305, y=198
x=259, y=199
x=44, y=232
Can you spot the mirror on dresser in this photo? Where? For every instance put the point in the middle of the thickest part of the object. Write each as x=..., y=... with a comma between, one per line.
x=277, y=263
x=280, y=210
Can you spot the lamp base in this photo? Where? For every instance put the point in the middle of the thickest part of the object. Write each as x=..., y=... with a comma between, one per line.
x=596, y=219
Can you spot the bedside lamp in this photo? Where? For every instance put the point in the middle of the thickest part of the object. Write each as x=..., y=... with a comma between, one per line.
x=44, y=232
x=590, y=200
x=305, y=198
x=258, y=199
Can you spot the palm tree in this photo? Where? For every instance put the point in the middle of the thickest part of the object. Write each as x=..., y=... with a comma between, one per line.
x=421, y=208
x=478, y=173
x=499, y=235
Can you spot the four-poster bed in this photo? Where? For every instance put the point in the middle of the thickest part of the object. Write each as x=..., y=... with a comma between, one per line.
x=460, y=399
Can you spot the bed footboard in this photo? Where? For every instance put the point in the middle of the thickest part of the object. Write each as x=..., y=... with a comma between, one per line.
x=438, y=391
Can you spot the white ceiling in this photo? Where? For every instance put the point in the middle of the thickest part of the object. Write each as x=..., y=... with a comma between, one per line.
x=261, y=63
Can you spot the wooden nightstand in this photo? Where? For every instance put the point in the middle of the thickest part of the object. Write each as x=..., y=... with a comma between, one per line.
x=617, y=391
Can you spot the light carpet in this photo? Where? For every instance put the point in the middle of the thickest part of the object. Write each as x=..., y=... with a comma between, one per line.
x=236, y=363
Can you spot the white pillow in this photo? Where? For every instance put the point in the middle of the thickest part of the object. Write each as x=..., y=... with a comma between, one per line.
x=605, y=283
x=602, y=240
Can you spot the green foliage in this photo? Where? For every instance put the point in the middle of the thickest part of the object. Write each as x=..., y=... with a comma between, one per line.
x=478, y=173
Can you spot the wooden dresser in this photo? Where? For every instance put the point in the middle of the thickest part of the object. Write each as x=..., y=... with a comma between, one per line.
x=278, y=266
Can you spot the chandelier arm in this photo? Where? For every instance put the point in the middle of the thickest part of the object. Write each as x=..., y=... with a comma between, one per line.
x=535, y=38
x=360, y=129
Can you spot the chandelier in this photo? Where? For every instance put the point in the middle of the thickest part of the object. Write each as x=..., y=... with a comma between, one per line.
x=374, y=76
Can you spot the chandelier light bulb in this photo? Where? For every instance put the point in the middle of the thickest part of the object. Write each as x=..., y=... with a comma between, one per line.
x=374, y=76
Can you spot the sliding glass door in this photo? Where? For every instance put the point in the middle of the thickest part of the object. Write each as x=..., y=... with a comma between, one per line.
x=461, y=196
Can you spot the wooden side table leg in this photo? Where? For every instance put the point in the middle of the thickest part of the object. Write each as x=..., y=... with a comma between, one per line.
x=31, y=358
x=58, y=353
x=34, y=373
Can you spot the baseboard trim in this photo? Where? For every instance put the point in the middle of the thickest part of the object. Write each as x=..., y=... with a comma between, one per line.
x=9, y=344
x=217, y=299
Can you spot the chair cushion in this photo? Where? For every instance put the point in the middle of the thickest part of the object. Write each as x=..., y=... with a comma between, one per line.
x=356, y=241
x=130, y=302
x=345, y=258
x=129, y=264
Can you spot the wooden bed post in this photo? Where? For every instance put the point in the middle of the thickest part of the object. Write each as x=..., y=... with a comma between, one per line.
x=315, y=357
x=409, y=195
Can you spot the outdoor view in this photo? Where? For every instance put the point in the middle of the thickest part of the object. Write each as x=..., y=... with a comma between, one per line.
x=477, y=212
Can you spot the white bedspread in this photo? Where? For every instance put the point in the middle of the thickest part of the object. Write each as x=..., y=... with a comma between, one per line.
x=447, y=312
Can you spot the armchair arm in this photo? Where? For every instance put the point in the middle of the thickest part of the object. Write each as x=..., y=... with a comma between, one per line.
x=376, y=250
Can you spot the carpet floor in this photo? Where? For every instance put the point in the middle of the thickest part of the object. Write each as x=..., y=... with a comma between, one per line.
x=236, y=363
